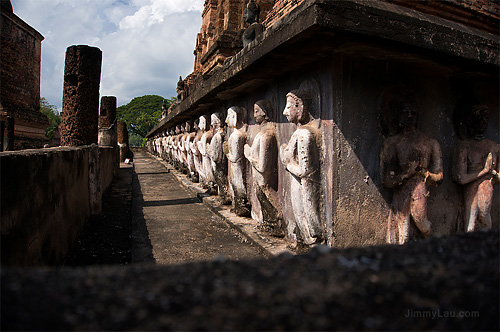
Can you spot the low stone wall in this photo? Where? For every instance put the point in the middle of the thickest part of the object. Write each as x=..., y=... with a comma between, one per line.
x=45, y=200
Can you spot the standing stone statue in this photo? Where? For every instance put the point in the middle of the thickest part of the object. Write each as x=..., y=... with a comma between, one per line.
x=251, y=15
x=203, y=147
x=188, y=143
x=301, y=158
x=218, y=158
x=184, y=149
x=181, y=92
x=197, y=157
x=237, y=162
x=175, y=145
x=263, y=156
x=163, y=109
x=476, y=167
x=409, y=162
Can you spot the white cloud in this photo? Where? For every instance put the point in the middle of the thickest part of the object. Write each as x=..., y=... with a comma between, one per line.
x=146, y=44
x=155, y=11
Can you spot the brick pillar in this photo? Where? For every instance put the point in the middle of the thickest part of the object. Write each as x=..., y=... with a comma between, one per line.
x=82, y=74
x=107, y=121
x=122, y=139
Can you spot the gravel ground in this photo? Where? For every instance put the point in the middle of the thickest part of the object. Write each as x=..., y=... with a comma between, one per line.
x=447, y=283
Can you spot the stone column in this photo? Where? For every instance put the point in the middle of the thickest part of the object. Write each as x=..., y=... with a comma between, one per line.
x=122, y=139
x=82, y=73
x=107, y=121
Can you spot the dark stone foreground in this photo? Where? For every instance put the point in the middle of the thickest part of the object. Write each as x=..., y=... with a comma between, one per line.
x=447, y=283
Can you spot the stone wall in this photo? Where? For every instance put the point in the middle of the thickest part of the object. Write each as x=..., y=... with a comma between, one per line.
x=354, y=59
x=45, y=200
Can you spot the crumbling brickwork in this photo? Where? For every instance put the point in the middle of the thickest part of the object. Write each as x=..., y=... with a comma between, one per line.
x=20, y=54
x=107, y=114
x=280, y=9
x=220, y=33
x=82, y=73
x=480, y=14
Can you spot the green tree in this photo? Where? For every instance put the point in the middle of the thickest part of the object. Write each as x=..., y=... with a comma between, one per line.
x=52, y=114
x=141, y=115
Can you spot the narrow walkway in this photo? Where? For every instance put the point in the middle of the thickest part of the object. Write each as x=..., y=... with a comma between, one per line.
x=171, y=226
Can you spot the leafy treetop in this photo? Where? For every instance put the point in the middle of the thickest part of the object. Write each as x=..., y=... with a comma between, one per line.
x=142, y=113
x=52, y=114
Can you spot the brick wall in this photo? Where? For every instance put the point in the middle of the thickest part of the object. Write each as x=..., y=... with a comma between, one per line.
x=220, y=33
x=20, y=75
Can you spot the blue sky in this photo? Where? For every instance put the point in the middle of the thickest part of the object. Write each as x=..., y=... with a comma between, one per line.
x=146, y=44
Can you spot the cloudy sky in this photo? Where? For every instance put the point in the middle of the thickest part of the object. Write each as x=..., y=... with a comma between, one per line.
x=146, y=44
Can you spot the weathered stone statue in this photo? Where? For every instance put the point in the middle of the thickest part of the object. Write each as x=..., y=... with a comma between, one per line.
x=183, y=149
x=197, y=157
x=237, y=162
x=476, y=167
x=301, y=158
x=409, y=162
x=218, y=158
x=193, y=174
x=175, y=145
x=251, y=15
x=181, y=93
x=164, y=144
x=203, y=147
x=263, y=156
x=163, y=109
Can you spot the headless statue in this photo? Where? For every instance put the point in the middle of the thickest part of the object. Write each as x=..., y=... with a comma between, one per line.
x=218, y=158
x=410, y=161
x=237, y=162
x=251, y=15
x=301, y=158
x=263, y=156
x=476, y=168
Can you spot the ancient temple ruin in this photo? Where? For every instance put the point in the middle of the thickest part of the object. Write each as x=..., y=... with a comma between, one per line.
x=365, y=104
x=22, y=125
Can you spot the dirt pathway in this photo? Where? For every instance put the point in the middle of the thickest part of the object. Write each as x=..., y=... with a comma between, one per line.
x=170, y=225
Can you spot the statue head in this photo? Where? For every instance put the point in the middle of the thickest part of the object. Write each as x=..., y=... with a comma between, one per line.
x=178, y=129
x=263, y=111
x=196, y=124
x=251, y=13
x=203, y=122
x=298, y=105
x=189, y=126
x=404, y=108
x=235, y=116
x=477, y=120
x=216, y=120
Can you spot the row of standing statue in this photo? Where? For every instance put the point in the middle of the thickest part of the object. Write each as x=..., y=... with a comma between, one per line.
x=410, y=162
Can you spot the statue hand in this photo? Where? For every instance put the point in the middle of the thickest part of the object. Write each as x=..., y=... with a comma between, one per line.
x=489, y=163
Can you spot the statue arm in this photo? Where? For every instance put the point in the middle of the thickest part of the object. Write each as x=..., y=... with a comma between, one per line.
x=304, y=165
x=238, y=151
x=435, y=174
x=460, y=173
x=215, y=149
